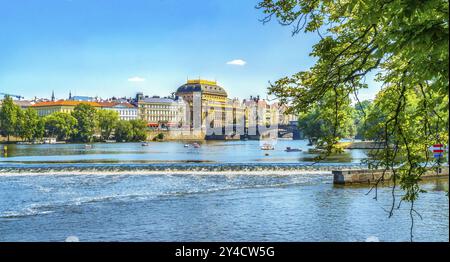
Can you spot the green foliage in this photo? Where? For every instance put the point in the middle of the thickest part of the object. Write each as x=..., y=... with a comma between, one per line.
x=8, y=117
x=407, y=129
x=362, y=110
x=160, y=136
x=318, y=124
x=39, y=132
x=60, y=125
x=131, y=131
x=81, y=125
x=87, y=122
x=123, y=131
x=328, y=121
x=405, y=43
x=28, y=124
x=107, y=121
x=139, y=128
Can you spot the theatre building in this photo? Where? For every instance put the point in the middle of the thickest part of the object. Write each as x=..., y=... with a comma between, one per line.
x=211, y=102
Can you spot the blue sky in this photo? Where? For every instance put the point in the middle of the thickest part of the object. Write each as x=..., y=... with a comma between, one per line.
x=117, y=47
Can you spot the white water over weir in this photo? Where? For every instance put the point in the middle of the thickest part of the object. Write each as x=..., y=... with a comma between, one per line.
x=187, y=168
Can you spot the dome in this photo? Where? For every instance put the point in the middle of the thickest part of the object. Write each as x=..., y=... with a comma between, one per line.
x=204, y=86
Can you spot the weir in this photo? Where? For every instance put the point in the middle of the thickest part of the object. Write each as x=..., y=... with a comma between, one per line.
x=163, y=168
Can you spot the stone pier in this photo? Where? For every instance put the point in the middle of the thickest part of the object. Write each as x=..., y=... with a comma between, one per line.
x=370, y=176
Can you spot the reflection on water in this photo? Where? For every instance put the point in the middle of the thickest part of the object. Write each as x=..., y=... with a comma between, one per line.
x=211, y=151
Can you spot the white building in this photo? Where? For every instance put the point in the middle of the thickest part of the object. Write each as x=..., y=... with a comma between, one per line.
x=162, y=112
x=126, y=111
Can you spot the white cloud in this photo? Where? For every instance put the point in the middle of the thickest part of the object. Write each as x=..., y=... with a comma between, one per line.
x=372, y=239
x=136, y=79
x=238, y=62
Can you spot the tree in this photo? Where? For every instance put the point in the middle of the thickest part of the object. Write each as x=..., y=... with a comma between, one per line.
x=28, y=124
x=39, y=132
x=405, y=42
x=87, y=122
x=160, y=136
x=123, y=131
x=362, y=109
x=60, y=125
x=316, y=124
x=139, y=127
x=107, y=121
x=8, y=117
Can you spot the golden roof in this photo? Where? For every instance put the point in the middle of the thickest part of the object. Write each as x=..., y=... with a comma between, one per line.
x=204, y=86
x=202, y=82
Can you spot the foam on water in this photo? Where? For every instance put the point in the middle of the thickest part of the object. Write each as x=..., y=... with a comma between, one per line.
x=167, y=172
x=170, y=169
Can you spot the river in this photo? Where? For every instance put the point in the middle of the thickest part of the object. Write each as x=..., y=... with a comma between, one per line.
x=223, y=191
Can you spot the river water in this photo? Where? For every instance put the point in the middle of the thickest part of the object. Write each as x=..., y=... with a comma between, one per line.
x=223, y=191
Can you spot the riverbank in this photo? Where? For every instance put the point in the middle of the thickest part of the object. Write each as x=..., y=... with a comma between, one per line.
x=360, y=145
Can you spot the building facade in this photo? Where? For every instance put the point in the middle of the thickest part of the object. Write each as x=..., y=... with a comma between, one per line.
x=284, y=117
x=65, y=106
x=162, y=112
x=206, y=103
x=126, y=111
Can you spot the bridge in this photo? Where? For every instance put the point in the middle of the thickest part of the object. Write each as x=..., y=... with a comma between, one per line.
x=289, y=131
x=232, y=132
x=256, y=133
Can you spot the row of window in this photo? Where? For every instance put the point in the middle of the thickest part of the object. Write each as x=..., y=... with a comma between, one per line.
x=165, y=113
x=128, y=117
x=46, y=112
x=127, y=112
x=159, y=118
x=171, y=107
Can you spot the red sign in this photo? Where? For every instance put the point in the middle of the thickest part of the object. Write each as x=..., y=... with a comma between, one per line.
x=437, y=148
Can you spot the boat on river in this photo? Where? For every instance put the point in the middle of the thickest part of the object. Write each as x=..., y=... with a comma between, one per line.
x=196, y=145
x=290, y=149
x=267, y=147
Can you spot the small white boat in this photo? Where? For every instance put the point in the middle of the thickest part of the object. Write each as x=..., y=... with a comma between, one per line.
x=145, y=144
x=87, y=146
x=267, y=147
x=186, y=145
x=50, y=140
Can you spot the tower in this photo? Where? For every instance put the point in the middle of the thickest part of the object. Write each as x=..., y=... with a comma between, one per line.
x=53, y=95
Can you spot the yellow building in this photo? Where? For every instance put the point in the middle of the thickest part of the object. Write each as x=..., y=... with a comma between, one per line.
x=65, y=106
x=207, y=102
